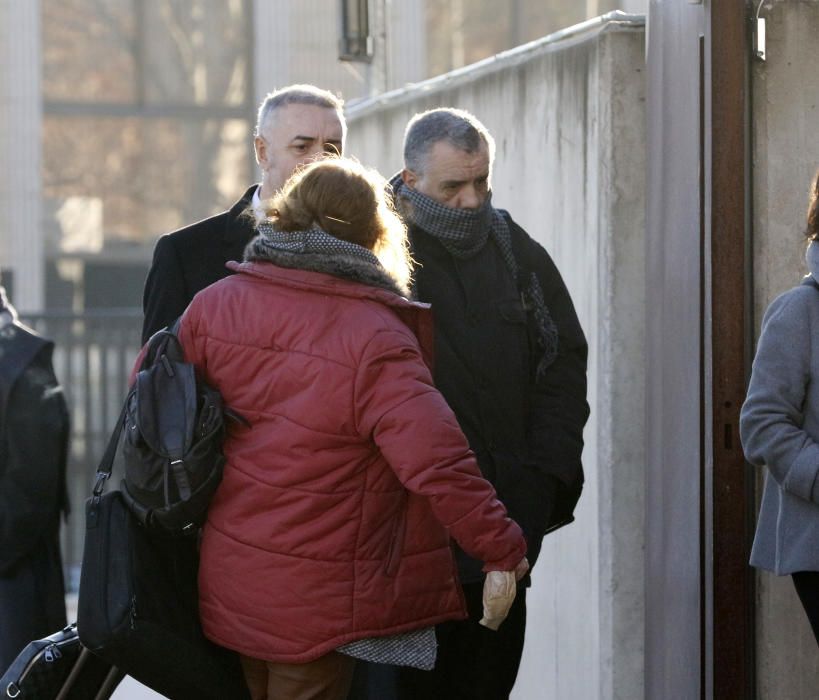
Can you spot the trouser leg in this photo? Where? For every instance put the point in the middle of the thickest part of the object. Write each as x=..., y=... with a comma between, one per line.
x=807, y=588
x=326, y=678
x=372, y=681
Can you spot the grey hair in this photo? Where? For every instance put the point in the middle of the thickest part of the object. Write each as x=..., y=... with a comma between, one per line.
x=297, y=95
x=457, y=127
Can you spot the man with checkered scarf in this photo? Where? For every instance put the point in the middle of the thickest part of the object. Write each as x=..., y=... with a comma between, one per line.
x=510, y=358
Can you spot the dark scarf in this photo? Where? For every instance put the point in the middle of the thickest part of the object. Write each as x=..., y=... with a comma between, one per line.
x=464, y=232
x=318, y=251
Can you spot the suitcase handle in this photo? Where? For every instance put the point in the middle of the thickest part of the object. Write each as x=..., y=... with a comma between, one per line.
x=75, y=672
x=109, y=684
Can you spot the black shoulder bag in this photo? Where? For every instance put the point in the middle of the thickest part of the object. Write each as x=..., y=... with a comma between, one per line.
x=138, y=602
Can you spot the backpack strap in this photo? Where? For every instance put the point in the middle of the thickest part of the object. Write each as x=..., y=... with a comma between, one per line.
x=104, y=471
x=107, y=462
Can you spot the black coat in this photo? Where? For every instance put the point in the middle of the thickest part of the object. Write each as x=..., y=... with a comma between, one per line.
x=527, y=435
x=191, y=258
x=33, y=450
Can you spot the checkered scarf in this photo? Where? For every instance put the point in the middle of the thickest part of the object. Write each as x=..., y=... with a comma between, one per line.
x=313, y=240
x=463, y=232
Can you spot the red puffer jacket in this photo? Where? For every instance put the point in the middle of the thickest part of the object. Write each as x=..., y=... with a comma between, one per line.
x=331, y=521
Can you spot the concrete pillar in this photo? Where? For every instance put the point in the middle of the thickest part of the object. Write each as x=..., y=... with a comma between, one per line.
x=272, y=46
x=594, y=8
x=292, y=47
x=406, y=40
x=21, y=236
x=634, y=7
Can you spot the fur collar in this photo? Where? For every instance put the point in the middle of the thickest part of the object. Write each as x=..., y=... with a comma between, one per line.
x=344, y=266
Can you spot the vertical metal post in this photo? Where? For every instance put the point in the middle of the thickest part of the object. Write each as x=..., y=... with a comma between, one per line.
x=732, y=582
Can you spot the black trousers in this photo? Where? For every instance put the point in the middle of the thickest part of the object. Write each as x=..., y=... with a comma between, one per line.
x=807, y=588
x=474, y=662
x=32, y=602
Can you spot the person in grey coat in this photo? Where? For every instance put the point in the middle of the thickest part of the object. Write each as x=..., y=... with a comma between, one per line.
x=779, y=427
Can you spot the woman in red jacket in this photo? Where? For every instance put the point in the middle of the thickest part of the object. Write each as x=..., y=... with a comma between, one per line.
x=328, y=538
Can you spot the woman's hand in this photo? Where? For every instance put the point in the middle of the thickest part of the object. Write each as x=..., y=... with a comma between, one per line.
x=499, y=590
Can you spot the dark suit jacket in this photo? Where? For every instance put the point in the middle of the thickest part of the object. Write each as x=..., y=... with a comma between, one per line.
x=188, y=260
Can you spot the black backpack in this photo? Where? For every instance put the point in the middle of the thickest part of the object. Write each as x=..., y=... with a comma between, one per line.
x=173, y=425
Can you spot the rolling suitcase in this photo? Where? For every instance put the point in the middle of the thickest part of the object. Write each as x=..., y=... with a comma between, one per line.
x=58, y=667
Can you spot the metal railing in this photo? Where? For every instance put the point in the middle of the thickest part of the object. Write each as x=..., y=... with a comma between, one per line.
x=93, y=356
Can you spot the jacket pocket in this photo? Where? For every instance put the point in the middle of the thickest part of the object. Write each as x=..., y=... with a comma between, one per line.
x=399, y=532
x=512, y=311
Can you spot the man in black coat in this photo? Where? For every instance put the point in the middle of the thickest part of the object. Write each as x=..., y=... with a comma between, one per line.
x=510, y=358
x=33, y=451
x=295, y=124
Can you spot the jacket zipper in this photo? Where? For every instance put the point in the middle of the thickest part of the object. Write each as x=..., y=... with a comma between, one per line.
x=133, y=613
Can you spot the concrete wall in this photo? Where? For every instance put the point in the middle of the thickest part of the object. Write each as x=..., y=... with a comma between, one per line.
x=21, y=241
x=600, y=7
x=568, y=118
x=785, y=158
x=293, y=46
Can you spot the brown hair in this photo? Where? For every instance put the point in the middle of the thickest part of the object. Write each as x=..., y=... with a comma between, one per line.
x=348, y=201
x=812, y=229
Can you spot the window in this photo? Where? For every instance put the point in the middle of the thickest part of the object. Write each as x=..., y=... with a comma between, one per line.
x=356, y=43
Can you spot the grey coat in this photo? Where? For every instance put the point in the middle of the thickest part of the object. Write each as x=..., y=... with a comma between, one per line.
x=779, y=426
